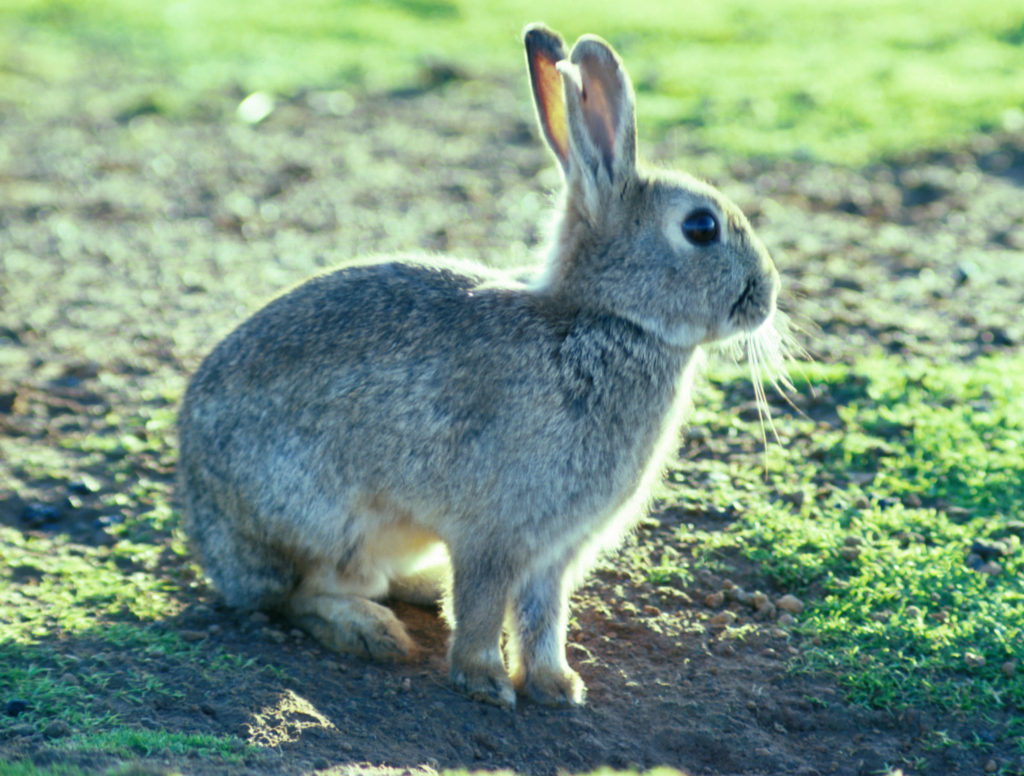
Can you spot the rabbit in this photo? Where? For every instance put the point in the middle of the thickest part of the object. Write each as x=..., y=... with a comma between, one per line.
x=420, y=428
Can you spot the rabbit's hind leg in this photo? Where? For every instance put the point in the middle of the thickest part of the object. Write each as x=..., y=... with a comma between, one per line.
x=337, y=612
x=247, y=573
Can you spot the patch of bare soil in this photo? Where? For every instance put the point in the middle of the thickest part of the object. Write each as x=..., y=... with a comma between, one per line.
x=130, y=242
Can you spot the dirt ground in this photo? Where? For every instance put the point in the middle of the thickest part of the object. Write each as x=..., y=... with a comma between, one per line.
x=130, y=242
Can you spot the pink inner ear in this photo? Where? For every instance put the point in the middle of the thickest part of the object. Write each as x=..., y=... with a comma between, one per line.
x=599, y=111
x=602, y=101
x=547, y=83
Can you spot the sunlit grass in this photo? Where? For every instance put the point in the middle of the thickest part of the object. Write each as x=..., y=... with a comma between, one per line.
x=845, y=81
x=75, y=587
x=87, y=625
x=922, y=461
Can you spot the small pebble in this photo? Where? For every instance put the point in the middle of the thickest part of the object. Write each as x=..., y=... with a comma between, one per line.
x=297, y=634
x=741, y=595
x=723, y=619
x=275, y=635
x=849, y=553
x=991, y=568
x=988, y=550
x=991, y=766
x=192, y=635
x=256, y=107
x=259, y=618
x=36, y=514
x=853, y=541
x=912, y=500
x=57, y=729
x=714, y=600
x=1009, y=668
x=16, y=706
x=790, y=603
x=786, y=620
x=974, y=660
x=85, y=485
x=406, y=684
x=758, y=599
x=214, y=630
x=766, y=611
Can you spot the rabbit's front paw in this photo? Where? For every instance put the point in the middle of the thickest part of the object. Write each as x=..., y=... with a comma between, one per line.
x=485, y=682
x=555, y=688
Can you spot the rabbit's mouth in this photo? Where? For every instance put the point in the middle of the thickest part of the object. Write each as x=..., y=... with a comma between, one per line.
x=753, y=306
x=744, y=301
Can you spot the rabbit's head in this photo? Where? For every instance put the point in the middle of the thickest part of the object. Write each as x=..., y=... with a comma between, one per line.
x=662, y=250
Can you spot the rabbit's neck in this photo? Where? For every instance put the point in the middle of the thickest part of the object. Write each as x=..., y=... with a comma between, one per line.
x=632, y=392
x=623, y=378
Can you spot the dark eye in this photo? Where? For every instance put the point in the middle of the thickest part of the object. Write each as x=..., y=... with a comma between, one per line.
x=701, y=227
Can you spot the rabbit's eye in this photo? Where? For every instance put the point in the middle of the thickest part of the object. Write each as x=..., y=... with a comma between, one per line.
x=701, y=227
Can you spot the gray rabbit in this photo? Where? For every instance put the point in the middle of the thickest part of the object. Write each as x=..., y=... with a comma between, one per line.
x=418, y=428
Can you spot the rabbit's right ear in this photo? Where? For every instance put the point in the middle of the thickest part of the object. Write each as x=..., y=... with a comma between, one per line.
x=601, y=117
x=544, y=50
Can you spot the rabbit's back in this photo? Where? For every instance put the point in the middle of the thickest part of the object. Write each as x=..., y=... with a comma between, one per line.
x=449, y=397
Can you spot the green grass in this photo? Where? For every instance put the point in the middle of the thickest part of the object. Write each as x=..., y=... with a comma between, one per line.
x=845, y=81
x=128, y=742
x=85, y=634
x=921, y=461
x=28, y=768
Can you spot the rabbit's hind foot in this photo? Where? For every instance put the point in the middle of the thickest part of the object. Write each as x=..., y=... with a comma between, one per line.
x=353, y=625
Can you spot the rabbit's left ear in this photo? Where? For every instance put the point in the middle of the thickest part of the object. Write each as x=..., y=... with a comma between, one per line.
x=544, y=49
x=601, y=112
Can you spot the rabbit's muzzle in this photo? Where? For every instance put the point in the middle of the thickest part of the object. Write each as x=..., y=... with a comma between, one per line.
x=756, y=301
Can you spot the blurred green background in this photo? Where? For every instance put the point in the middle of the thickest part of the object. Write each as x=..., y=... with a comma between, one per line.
x=846, y=81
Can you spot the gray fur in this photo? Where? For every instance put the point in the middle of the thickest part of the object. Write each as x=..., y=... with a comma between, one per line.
x=375, y=414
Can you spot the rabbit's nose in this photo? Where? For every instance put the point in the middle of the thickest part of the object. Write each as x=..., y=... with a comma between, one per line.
x=756, y=301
